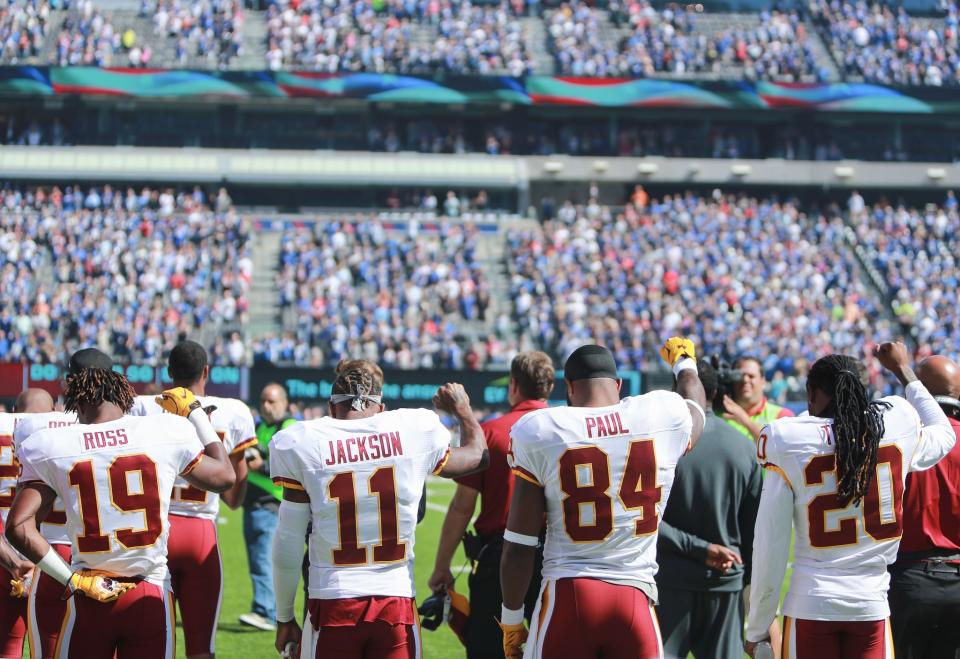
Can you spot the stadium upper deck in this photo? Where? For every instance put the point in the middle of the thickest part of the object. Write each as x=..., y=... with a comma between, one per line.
x=820, y=41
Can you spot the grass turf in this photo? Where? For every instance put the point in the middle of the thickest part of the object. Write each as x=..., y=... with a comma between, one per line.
x=237, y=641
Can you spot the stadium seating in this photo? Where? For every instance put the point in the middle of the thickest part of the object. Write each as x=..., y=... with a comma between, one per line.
x=882, y=44
x=916, y=251
x=640, y=41
x=353, y=289
x=125, y=271
x=455, y=37
x=744, y=275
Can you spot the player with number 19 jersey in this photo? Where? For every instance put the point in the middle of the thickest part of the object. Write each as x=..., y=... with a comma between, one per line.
x=115, y=479
x=364, y=478
x=606, y=474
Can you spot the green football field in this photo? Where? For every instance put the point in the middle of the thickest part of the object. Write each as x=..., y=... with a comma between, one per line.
x=238, y=641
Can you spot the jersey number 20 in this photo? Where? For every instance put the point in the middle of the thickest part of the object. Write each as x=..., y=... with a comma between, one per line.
x=845, y=533
x=585, y=479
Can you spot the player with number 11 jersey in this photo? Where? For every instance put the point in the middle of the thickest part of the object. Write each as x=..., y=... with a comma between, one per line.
x=358, y=476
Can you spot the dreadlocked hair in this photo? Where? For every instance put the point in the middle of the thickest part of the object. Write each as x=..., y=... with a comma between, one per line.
x=358, y=378
x=95, y=386
x=857, y=423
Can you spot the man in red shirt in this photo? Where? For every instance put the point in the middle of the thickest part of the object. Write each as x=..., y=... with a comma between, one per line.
x=925, y=581
x=532, y=377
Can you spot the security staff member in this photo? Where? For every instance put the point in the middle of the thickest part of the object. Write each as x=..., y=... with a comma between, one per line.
x=261, y=505
x=532, y=377
x=925, y=581
x=706, y=539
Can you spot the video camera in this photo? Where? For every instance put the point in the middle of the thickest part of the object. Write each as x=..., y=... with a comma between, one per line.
x=727, y=378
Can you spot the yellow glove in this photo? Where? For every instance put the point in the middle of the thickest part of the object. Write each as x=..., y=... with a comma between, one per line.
x=98, y=585
x=514, y=636
x=676, y=348
x=20, y=588
x=179, y=401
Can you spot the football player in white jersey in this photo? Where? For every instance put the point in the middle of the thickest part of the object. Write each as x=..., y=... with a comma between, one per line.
x=837, y=477
x=114, y=474
x=358, y=476
x=13, y=605
x=45, y=606
x=193, y=554
x=600, y=469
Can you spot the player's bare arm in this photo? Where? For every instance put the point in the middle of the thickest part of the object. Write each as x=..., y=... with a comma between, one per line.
x=472, y=454
x=234, y=496
x=517, y=562
x=287, y=556
x=680, y=355
x=23, y=525
x=455, y=524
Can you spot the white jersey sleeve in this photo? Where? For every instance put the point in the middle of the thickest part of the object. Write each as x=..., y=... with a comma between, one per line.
x=9, y=467
x=124, y=470
x=365, y=479
x=771, y=549
x=606, y=474
x=145, y=406
x=54, y=527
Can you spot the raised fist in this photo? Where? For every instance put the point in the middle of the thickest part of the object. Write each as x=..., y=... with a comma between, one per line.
x=179, y=401
x=892, y=355
x=451, y=398
x=676, y=348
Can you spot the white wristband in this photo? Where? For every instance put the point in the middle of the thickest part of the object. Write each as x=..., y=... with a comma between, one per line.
x=511, y=616
x=694, y=405
x=685, y=364
x=201, y=423
x=55, y=566
x=521, y=539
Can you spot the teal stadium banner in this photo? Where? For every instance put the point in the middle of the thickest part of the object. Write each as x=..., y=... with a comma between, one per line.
x=532, y=90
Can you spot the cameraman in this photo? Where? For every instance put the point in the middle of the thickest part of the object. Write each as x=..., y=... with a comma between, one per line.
x=748, y=411
x=925, y=581
x=532, y=377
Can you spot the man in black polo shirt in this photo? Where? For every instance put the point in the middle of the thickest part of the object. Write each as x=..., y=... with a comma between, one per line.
x=706, y=539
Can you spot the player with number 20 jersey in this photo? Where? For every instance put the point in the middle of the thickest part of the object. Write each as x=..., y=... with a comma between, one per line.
x=836, y=607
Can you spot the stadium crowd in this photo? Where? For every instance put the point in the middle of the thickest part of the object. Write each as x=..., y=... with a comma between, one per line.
x=759, y=276
x=210, y=30
x=459, y=37
x=745, y=275
x=125, y=271
x=23, y=29
x=883, y=44
x=353, y=289
x=668, y=41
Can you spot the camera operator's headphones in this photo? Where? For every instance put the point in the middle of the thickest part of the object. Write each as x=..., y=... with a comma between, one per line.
x=949, y=402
